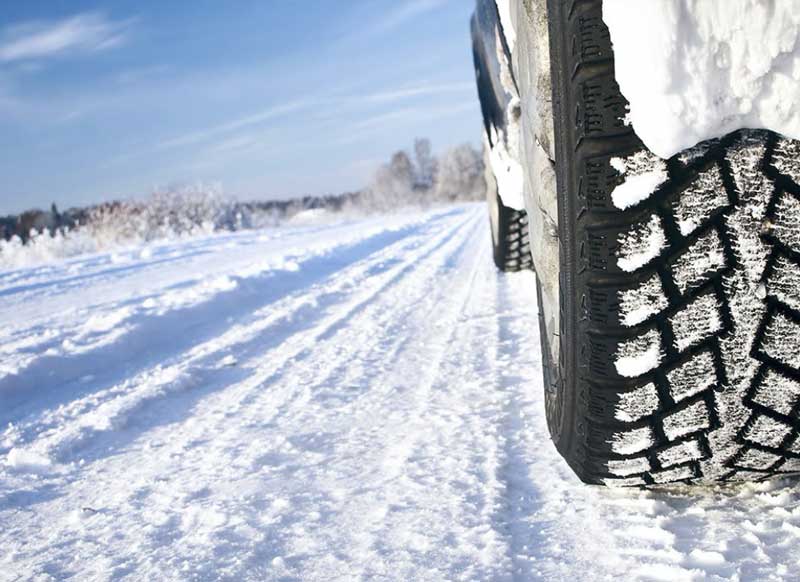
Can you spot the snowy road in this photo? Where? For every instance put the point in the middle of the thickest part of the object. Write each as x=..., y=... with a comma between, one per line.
x=357, y=401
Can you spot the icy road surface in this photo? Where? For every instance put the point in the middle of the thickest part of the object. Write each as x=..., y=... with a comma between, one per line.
x=344, y=402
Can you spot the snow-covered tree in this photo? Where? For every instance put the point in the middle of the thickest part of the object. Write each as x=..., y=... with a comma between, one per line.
x=460, y=175
x=425, y=164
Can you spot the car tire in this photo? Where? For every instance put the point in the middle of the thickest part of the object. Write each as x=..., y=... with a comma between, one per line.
x=509, y=228
x=679, y=339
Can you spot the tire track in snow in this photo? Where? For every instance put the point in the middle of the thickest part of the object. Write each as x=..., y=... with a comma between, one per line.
x=388, y=445
x=142, y=301
x=199, y=366
x=226, y=409
x=384, y=423
x=560, y=529
x=155, y=337
x=106, y=268
x=381, y=448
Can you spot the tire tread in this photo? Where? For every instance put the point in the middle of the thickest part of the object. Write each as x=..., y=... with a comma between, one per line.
x=689, y=439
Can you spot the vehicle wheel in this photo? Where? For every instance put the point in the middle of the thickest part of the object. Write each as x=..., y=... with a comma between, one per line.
x=509, y=232
x=679, y=300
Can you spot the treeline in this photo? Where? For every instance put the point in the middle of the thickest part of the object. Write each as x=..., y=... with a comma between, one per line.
x=420, y=179
x=409, y=179
x=177, y=211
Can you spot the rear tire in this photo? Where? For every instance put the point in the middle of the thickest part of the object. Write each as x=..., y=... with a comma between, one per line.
x=510, y=246
x=679, y=312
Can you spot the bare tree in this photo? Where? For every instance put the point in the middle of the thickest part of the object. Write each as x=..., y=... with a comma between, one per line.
x=456, y=176
x=425, y=162
x=460, y=175
x=402, y=169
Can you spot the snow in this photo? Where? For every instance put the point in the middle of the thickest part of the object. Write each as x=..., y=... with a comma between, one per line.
x=641, y=245
x=507, y=23
x=705, y=559
x=699, y=320
x=503, y=143
x=692, y=377
x=782, y=337
x=686, y=421
x=633, y=441
x=694, y=70
x=364, y=403
x=696, y=266
x=638, y=304
x=639, y=355
x=637, y=404
x=506, y=168
x=683, y=452
x=27, y=461
x=642, y=175
x=700, y=200
x=777, y=392
x=627, y=467
x=504, y=158
x=767, y=431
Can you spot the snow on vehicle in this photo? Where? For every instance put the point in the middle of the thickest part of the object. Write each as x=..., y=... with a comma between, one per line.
x=659, y=182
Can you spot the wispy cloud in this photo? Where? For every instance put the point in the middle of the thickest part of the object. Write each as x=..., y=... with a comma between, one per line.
x=383, y=119
x=424, y=89
x=325, y=106
x=83, y=33
x=236, y=144
x=408, y=114
x=405, y=11
x=141, y=74
x=230, y=126
x=381, y=122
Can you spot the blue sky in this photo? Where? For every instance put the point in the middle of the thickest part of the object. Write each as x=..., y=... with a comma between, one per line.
x=267, y=98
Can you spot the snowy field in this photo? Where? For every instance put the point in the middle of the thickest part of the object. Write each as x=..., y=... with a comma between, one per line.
x=355, y=401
